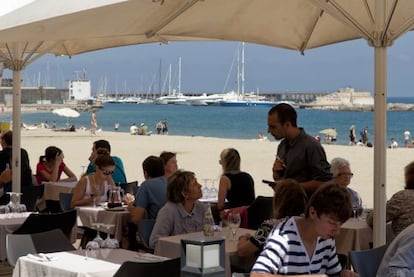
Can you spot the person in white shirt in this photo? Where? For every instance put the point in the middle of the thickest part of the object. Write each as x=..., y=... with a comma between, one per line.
x=407, y=138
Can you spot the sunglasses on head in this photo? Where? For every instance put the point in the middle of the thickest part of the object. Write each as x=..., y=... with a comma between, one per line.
x=107, y=172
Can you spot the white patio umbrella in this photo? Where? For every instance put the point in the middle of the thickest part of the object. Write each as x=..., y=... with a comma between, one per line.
x=291, y=24
x=66, y=112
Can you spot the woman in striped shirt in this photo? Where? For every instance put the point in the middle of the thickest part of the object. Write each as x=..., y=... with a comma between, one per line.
x=306, y=245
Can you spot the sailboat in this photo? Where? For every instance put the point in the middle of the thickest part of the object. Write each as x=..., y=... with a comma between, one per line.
x=242, y=99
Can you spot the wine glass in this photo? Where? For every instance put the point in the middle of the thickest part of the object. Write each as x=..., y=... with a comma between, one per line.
x=83, y=167
x=355, y=208
x=213, y=189
x=96, y=225
x=90, y=248
x=206, y=190
x=110, y=242
x=97, y=195
x=233, y=221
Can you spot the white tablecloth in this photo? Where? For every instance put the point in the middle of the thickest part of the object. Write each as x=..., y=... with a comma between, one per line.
x=170, y=246
x=116, y=218
x=74, y=263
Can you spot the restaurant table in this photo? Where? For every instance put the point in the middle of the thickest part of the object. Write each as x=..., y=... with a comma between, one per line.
x=53, y=189
x=355, y=234
x=118, y=218
x=170, y=246
x=105, y=262
x=8, y=224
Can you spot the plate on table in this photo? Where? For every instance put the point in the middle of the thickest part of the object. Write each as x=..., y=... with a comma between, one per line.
x=114, y=209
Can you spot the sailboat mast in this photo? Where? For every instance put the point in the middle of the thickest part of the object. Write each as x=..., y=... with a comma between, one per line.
x=238, y=70
x=169, y=80
x=242, y=70
x=179, y=75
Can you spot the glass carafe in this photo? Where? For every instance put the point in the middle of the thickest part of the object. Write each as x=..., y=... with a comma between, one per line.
x=114, y=199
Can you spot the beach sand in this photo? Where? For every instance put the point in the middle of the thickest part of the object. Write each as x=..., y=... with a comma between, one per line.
x=201, y=155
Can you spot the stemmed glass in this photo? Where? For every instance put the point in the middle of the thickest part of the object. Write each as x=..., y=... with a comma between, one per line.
x=355, y=208
x=213, y=189
x=234, y=221
x=90, y=248
x=206, y=190
x=109, y=242
x=96, y=225
x=97, y=195
x=83, y=167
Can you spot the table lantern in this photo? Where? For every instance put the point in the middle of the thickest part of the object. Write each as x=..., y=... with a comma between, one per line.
x=202, y=256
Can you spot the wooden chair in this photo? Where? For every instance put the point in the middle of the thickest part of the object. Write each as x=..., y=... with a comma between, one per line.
x=366, y=262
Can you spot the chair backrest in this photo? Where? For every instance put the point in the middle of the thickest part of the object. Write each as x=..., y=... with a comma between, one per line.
x=169, y=268
x=51, y=241
x=65, y=199
x=129, y=187
x=18, y=245
x=38, y=222
x=366, y=262
x=260, y=210
x=144, y=229
x=30, y=196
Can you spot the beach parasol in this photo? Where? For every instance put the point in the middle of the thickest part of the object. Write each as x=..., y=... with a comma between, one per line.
x=66, y=112
x=290, y=24
x=329, y=132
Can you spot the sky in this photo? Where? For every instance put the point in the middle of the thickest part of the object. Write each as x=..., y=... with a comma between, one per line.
x=205, y=67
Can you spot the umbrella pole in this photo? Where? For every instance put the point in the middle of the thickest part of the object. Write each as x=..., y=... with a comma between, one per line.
x=15, y=166
x=380, y=157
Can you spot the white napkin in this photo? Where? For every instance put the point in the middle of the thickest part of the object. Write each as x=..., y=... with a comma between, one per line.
x=41, y=257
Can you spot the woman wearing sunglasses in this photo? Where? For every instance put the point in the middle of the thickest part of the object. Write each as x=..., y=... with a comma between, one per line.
x=92, y=188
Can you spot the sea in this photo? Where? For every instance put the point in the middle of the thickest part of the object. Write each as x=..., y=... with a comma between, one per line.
x=230, y=122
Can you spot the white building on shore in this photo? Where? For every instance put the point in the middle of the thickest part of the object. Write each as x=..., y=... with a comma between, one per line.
x=345, y=97
x=79, y=89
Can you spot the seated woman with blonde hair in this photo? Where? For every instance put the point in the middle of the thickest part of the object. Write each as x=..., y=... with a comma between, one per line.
x=236, y=186
x=182, y=213
x=92, y=188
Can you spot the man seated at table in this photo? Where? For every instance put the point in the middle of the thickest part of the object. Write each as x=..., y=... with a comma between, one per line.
x=26, y=176
x=118, y=176
x=306, y=245
x=150, y=197
x=398, y=260
x=183, y=213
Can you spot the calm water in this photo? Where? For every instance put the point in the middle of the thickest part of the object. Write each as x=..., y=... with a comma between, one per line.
x=230, y=122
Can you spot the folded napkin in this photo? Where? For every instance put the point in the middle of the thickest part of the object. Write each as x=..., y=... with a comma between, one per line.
x=41, y=257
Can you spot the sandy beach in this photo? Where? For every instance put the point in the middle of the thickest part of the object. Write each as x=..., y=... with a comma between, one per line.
x=201, y=155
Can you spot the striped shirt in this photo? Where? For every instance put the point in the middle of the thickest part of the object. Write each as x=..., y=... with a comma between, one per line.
x=285, y=253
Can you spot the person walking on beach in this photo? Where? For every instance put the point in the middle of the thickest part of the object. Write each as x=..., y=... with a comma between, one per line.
x=116, y=126
x=364, y=135
x=407, y=138
x=352, y=137
x=299, y=156
x=94, y=123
